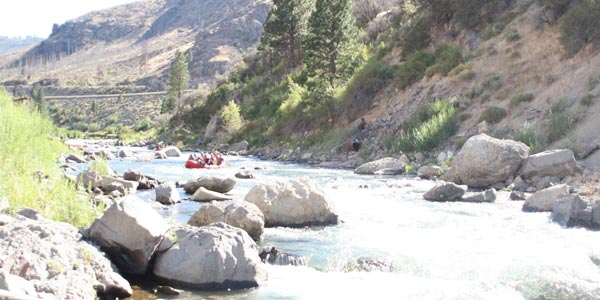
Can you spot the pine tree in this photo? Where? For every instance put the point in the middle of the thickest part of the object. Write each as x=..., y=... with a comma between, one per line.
x=330, y=32
x=284, y=28
x=178, y=79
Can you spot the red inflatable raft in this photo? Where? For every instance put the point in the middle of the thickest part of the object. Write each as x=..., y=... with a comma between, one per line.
x=194, y=164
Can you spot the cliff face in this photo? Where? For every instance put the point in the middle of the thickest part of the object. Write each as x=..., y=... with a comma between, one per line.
x=135, y=43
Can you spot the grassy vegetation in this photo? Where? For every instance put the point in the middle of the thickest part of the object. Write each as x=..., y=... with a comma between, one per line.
x=516, y=99
x=429, y=127
x=559, y=122
x=28, y=147
x=493, y=115
x=527, y=135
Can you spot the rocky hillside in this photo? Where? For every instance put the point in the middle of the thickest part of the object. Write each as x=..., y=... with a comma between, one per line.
x=135, y=43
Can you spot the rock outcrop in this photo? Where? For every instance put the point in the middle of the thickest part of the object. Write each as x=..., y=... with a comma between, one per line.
x=484, y=161
x=130, y=231
x=292, y=203
x=212, y=257
x=50, y=260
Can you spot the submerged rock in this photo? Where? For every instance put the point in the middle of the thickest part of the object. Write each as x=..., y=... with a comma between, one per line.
x=369, y=264
x=214, y=257
x=292, y=203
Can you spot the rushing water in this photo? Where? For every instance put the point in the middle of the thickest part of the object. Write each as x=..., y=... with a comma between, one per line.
x=439, y=250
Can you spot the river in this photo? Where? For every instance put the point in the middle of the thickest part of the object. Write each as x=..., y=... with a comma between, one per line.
x=439, y=250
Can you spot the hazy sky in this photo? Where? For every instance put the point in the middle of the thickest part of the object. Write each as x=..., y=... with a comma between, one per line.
x=35, y=17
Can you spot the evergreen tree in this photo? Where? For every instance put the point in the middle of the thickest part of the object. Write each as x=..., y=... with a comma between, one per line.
x=39, y=97
x=178, y=80
x=94, y=107
x=284, y=28
x=330, y=32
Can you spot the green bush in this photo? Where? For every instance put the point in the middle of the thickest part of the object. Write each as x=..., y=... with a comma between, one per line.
x=516, y=99
x=414, y=68
x=587, y=100
x=559, y=121
x=29, y=149
x=446, y=58
x=493, y=115
x=417, y=36
x=527, y=135
x=492, y=82
x=580, y=25
x=429, y=127
x=512, y=35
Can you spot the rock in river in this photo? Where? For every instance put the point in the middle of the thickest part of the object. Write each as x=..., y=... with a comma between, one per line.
x=292, y=203
x=212, y=257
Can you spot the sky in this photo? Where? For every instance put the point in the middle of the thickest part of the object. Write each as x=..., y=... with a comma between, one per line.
x=36, y=17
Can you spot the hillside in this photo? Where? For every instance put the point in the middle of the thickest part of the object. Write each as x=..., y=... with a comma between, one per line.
x=12, y=44
x=512, y=69
x=135, y=43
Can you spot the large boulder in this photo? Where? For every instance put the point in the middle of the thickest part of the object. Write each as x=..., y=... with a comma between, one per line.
x=204, y=195
x=217, y=256
x=560, y=163
x=130, y=231
x=167, y=194
x=484, y=161
x=545, y=199
x=388, y=163
x=244, y=215
x=445, y=191
x=217, y=184
x=292, y=203
x=50, y=260
x=430, y=172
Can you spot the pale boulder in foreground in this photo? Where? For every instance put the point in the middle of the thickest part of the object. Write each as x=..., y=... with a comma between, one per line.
x=130, y=231
x=292, y=203
x=212, y=257
x=484, y=161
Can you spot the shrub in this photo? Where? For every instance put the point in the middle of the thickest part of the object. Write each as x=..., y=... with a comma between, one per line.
x=100, y=166
x=516, y=99
x=587, y=100
x=559, y=122
x=492, y=30
x=492, y=82
x=429, y=127
x=417, y=36
x=512, y=35
x=581, y=25
x=527, y=135
x=493, y=115
x=413, y=68
x=232, y=120
x=446, y=58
